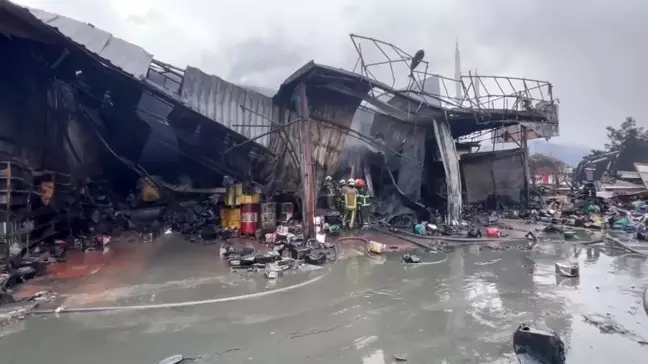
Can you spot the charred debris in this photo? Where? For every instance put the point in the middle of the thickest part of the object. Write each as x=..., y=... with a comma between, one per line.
x=99, y=138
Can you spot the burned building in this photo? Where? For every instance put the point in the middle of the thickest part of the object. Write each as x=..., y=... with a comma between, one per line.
x=106, y=109
x=427, y=135
x=78, y=103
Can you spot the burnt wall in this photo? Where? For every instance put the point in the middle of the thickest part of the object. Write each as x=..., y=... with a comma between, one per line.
x=493, y=173
x=23, y=115
x=38, y=118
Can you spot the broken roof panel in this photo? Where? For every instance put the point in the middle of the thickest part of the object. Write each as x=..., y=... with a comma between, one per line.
x=242, y=110
x=642, y=169
x=132, y=59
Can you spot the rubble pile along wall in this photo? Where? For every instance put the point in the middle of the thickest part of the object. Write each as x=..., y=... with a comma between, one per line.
x=493, y=173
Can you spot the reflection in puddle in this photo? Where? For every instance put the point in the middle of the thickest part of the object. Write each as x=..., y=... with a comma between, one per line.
x=375, y=357
x=362, y=342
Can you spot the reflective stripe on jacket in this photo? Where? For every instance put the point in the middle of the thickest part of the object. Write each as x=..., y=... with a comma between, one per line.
x=350, y=198
x=363, y=200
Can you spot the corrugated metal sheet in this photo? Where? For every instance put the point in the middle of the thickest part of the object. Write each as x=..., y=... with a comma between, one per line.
x=221, y=101
x=328, y=142
x=628, y=174
x=642, y=169
x=128, y=57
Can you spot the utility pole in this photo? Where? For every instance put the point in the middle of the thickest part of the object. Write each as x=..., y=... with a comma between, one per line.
x=308, y=202
x=525, y=162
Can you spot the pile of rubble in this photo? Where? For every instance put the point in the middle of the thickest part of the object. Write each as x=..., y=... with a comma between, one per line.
x=286, y=249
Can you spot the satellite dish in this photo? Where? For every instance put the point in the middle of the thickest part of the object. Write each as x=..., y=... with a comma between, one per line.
x=416, y=60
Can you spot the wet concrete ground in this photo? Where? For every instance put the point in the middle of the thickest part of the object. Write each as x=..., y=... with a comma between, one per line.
x=462, y=307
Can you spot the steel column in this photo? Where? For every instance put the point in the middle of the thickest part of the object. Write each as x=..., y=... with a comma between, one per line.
x=308, y=211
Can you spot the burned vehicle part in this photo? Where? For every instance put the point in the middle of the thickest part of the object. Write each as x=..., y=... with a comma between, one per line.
x=533, y=346
x=567, y=270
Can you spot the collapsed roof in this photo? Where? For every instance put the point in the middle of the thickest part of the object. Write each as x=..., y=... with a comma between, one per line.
x=183, y=103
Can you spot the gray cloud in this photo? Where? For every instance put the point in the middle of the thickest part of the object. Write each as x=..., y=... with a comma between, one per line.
x=592, y=51
x=272, y=59
x=150, y=18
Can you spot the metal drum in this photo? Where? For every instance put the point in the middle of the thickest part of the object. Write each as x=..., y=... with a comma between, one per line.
x=268, y=216
x=249, y=219
x=230, y=218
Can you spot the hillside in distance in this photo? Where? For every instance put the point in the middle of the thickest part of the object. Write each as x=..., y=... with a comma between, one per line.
x=569, y=154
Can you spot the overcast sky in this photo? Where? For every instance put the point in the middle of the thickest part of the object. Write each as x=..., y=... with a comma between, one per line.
x=591, y=50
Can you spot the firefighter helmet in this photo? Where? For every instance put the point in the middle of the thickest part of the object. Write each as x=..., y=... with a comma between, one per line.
x=342, y=182
x=328, y=178
x=351, y=182
x=360, y=183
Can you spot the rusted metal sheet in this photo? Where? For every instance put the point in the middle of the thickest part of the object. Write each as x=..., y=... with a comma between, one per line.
x=327, y=140
x=221, y=101
x=642, y=169
x=128, y=57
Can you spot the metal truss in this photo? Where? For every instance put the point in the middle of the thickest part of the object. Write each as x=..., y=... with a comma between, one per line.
x=384, y=63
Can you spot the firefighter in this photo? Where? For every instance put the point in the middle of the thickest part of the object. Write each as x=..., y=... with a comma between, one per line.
x=364, y=203
x=331, y=193
x=350, y=204
x=340, y=196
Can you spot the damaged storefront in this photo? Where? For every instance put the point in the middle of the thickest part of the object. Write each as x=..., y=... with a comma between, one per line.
x=129, y=144
x=420, y=159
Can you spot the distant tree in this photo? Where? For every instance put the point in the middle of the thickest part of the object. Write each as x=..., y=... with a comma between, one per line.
x=630, y=140
x=628, y=133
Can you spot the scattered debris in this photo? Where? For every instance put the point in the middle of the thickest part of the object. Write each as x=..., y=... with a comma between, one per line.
x=493, y=233
x=41, y=296
x=607, y=325
x=15, y=311
x=411, y=258
x=568, y=270
x=273, y=271
x=569, y=234
x=316, y=258
x=537, y=346
x=174, y=359
x=474, y=233
x=376, y=247
x=531, y=236
x=400, y=357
